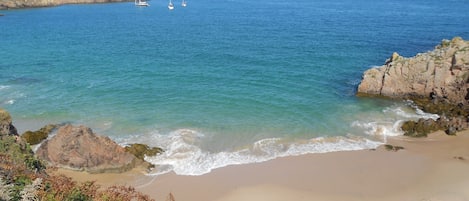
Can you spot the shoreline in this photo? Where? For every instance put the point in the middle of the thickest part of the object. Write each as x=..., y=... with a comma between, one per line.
x=432, y=168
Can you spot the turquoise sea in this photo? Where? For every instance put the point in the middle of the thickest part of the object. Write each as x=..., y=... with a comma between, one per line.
x=221, y=82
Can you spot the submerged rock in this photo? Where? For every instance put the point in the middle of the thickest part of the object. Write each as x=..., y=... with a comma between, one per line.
x=6, y=125
x=78, y=148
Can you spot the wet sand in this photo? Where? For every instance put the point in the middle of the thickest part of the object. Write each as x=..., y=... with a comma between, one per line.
x=433, y=168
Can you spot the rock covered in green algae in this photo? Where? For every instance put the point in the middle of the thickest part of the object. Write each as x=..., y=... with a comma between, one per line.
x=421, y=128
x=142, y=150
x=36, y=137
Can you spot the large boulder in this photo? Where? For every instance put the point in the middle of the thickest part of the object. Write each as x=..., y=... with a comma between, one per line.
x=442, y=73
x=78, y=148
x=6, y=126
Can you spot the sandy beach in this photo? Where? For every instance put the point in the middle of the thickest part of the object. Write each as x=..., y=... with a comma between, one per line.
x=432, y=168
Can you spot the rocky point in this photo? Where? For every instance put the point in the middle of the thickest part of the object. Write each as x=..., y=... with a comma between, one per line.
x=437, y=81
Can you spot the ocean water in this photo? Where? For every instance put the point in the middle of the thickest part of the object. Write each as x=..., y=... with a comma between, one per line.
x=222, y=82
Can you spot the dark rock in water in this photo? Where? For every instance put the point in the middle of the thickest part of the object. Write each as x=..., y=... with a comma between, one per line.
x=78, y=148
x=142, y=150
x=36, y=137
x=421, y=128
x=6, y=126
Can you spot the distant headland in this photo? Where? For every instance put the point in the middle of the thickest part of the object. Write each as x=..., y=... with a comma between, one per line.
x=17, y=4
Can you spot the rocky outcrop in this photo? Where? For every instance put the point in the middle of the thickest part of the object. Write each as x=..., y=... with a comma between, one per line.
x=14, y=4
x=437, y=81
x=6, y=126
x=78, y=148
x=441, y=73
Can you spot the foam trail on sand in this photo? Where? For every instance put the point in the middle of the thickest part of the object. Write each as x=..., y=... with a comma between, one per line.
x=184, y=157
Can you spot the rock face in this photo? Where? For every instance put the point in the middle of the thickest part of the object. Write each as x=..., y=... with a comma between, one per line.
x=6, y=126
x=442, y=73
x=13, y=4
x=78, y=148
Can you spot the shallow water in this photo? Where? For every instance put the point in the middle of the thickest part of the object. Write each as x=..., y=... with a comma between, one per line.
x=218, y=82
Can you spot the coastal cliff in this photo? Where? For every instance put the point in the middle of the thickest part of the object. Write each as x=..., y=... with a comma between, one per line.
x=437, y=81
x=15, y=4
x=440, y=73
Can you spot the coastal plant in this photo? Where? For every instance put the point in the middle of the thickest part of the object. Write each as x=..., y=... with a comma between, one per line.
x=122, y=193
x=30, y=191
x=5, y=190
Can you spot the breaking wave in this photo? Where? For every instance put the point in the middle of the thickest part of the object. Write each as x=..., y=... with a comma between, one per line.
x=184, y=156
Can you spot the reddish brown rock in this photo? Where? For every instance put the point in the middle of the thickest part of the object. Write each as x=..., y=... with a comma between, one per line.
x=78, y=148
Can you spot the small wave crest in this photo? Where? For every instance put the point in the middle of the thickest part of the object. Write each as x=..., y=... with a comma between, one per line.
x=380, y=128
x=410, y=111
x=9, y=102
x=184, y=155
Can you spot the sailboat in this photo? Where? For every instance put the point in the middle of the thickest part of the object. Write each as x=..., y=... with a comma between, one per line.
x=170, y=5
x=141, y=3
x=184, y=3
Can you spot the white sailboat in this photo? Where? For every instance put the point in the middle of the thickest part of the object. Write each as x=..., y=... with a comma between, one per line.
x=184, y=3
x=141, y=3
x=170, y=5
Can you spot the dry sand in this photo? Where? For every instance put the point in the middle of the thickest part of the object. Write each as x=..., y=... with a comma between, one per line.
x=428, y=169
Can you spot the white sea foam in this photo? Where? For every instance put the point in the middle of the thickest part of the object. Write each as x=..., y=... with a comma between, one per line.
x=380, y=128
x=184, y=156
x=2, y=87
x=415, y=113
x=9, y=102
x=394, y=116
